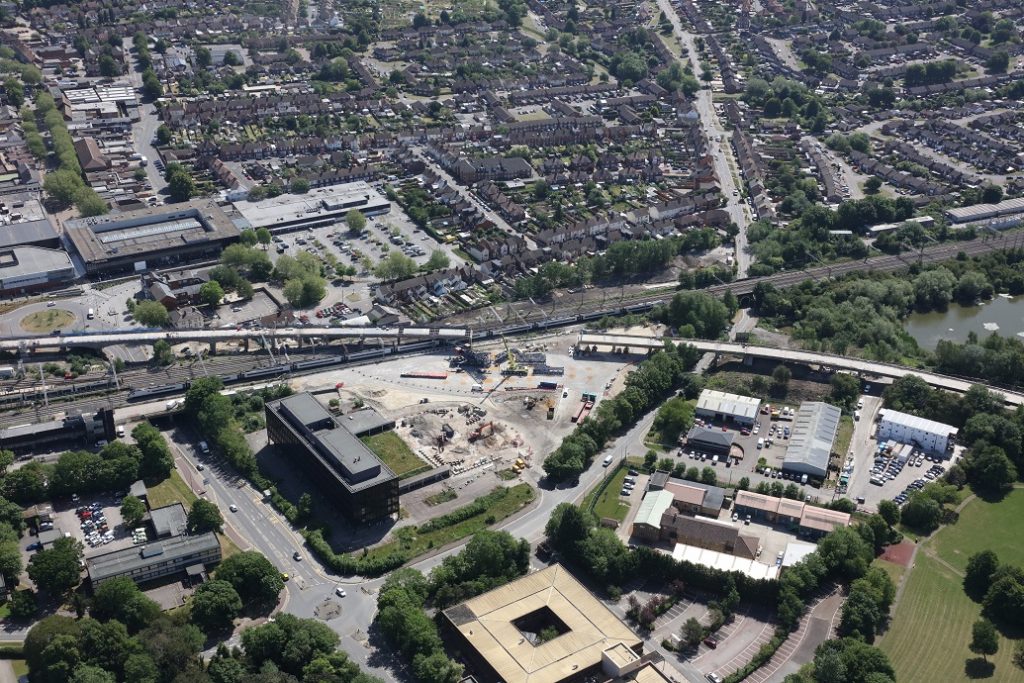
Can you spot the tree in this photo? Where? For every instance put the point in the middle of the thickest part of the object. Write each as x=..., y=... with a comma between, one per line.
x=395, y=266
x=780, y=378
x=253, y=576
x=438, y=261
x=290, y=643
x=203, y=57
x=151, y=314
x=984, y=639
x=708, y=476
x=204, y=516
x=978, y=575
x=211, y=293
x=156, y=461
x=872, y=185
x=55, y=570
x=121, y=599
x=162, y=353
x=164, y=135
x=23, y=604
x=674, y=417
x=151, y=86
x=232, y=59
x=990, y=470
x=890, y=512
x=922, y=513
x=63, y=185
x=299, y=186
x=109, y=68
x=692, y=632
x=215, y=605
x=132, y=511
x=180, y=182
x=1004, y=600
x=355, y=221
x=998, y=62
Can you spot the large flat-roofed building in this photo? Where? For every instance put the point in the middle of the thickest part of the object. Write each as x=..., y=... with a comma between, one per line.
x=142, y=239
x=363, y=487
x=807, y=520
x=978, y=212
x=319, y=207
x=33, y=269
x=725, y=407
x=500, y=632
x=927, y=435
x=814, y=431
x=155, y=560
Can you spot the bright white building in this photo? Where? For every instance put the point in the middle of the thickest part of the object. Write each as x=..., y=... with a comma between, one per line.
x=925, y=435
x=722, y=406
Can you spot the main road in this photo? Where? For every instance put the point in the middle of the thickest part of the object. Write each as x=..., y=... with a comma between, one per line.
x=715, y=134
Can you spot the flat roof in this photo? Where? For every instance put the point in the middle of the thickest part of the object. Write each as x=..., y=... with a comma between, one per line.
x=915, y=422
x=124, y=561
x=487, y=624
x=27, y=233
x=366, y=420
x=23, y=262
x=324, y=201
x=796, y=551
x=723, y=561
x=814, y=430
x=169, y=520
x=713, y=401
x=966, y=213
x=329, y=439
x=148, y=230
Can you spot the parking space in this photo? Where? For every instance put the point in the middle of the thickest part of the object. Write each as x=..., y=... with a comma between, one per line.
x=96, y=522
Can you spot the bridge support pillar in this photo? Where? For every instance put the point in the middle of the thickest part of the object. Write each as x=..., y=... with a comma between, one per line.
x=213, y=348
x=246, y=342
x=301, y=341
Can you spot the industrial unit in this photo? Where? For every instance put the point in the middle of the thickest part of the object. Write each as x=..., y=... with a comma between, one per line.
x=362, y=486
x=927, y=435
x=138, y=240
x=725, y=407
x=809, y=451
x=176, y=555
x=33, y=269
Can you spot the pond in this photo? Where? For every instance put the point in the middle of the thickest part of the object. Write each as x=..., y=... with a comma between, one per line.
x=1002, y=314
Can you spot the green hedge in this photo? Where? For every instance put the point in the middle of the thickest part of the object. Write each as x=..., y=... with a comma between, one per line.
x=12, y=651
x=762, y=657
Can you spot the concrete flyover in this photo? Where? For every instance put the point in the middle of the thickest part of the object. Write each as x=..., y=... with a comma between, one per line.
x=100, y=339
x=643, y=343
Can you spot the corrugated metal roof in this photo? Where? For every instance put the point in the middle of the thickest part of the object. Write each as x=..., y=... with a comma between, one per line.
x=810, y=444
x=713, y=401
x=653, y=506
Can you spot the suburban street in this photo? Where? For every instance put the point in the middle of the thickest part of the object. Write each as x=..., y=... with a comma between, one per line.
x=721, y=154
x=144, y=129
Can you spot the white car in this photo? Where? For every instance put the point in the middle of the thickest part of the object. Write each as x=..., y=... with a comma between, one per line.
x=339, y=591
x=233, y=507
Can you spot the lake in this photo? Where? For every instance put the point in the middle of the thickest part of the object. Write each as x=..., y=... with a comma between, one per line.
x=1002, y=314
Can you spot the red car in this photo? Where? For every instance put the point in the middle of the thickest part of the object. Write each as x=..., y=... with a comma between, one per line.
x=711, y=642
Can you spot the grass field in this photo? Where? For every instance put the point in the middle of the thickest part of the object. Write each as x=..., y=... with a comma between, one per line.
x=406, y=539
x=844, y=436
x=170, y=490
x=983, y=526
x=894, y=570
x=396, y=454
x=49, y=320
x=931, y=624
x=609, y=504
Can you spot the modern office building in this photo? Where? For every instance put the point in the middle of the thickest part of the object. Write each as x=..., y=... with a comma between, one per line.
x=182, y=555
x=814, y=431
x=332, y=455
x=724, y=407
x=927, y=435
x=139, y=240
x=319, y=207
x=543, y=628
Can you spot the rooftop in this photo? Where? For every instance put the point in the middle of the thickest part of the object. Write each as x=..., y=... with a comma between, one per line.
x=321, y=202
x=814, y=431
x=712, y=436
x=149, y=230
x=713, y=401
x=366, y=420
x=170, y=520
x=723, y=561
x=652, y=507
x=915, y=422
x=23, y=262
x=119, y=562
x=330, y=440
x=588, y=628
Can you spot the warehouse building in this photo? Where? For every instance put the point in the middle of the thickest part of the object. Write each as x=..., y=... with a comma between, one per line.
x=979, y=212
x=184, y=555
x=316, y=208
x=814, y=431
x=720, y=406
x=545, y=627
x=711, y=441
x=33, y=269
x=807, y=520
x=362, y=486
x=927, y=435
x=142, y=239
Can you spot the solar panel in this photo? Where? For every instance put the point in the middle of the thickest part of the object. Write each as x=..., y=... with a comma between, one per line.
x=151, y=230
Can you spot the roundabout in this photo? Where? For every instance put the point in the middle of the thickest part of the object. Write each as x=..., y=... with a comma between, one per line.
x=47, y=320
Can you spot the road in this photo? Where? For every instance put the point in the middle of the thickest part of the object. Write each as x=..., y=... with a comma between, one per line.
x=721, y=155
x=490, y=215
x=144, y=129
x=865, y=367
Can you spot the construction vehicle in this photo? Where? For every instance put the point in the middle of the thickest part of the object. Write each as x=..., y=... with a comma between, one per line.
x=529, y=402
x=513, y=369
x=551, y=408
x=481, y=432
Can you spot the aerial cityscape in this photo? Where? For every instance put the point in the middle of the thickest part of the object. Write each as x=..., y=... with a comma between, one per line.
x=511, y=341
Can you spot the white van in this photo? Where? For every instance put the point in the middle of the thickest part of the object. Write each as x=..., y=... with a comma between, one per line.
x=91, y=314
x=803, y=479
x=120, y=431
x=607, y=461
x=760, y=443
x=477, y=387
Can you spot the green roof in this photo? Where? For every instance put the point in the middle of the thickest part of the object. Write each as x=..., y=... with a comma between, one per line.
x=653, y=506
